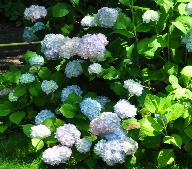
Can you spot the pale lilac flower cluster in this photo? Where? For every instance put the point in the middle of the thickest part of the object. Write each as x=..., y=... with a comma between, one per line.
x=43, y=115
x=40, y=131
x=106, y=123
x=12, y=97
x=83, y=145
x=115, y=151
x=68, y=135
x=92, y=46
x=26, y=78
x=73, y=68
x=70, y=89
x=125, y=109
x=150, y=16
x=69, y=48
x=133, y=87
x=107, y=17
x=35, y=12
x=56, y=155
x=189, y=8
x=103, y=100
x=36, y=60
x=89, y=21
x=49, y=86
x=51, y=45
x=187, y=40
x=90, y=108
x=95, y=68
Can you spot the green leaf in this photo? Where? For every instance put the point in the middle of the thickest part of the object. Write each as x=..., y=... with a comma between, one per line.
x=188, y=131
x=180, y=26
x=5, y=109
x=150, y=126
x=19, y=91
x=125, y=2
x=29, y=54
x=17, y=117
x=118, y=88
x=171, y=68
x=164, y=104
x=125, y=33
x=35, y=89
x=151, y=102
x=27, y=129
x=186, y=21
x=173, y=139
x=60, y=10
x=130, y=124
x=123, y=22
x=187, y=71
x=74, y=2
x=68, y=110
x=166, y=4
x=44, y=73
x=3, y=128
x=37, y=143
x=73, y=98
x=165, y=157
x=174, y=81
x=110, y=73
x=174, y=112
x=182, y=9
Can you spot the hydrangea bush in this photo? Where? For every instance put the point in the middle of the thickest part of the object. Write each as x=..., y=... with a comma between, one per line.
x=109, y=86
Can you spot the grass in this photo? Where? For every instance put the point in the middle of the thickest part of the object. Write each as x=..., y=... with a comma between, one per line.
x=15, y=154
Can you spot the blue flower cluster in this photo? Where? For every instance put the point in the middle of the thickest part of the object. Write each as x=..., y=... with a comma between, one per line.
x=49, y=86
x=70, y=89
x=26, y=78
x=36, y=60
x=43, y=115
x=90, y=108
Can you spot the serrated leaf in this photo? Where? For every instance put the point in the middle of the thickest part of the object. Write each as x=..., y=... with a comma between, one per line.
x=27, y=129
x=37, y=143
x=3, y=128
x=19, y=91
x=173, y=139
x=165, y=157
x=60, y=10
x=110, y=73
x=180, y=26
x=44, y=73
x=5, y=109
x=151, y=102
x=17, y=117
x=174, y=81
x=68, y=110
x=35, y=89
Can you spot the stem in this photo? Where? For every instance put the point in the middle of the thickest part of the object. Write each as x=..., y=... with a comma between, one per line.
x=19, y=44
x=133, y=20
x=141, y=8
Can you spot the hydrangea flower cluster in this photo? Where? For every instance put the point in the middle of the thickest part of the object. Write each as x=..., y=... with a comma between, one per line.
x=40, y=131
x=133, y=87
x=70, y=89
x=189, y=8
x=83, y=145
x=106, y=123
x=68, y=135
x=150, y=16
x=92, y=46
x=103, y=100
x=107, y=17
x=95, y=68
x=90, y=108
x=124, y=109
x=51, y=45
x=89, y=21
x=118, y=134
x=69, y=49
x=187, y=40
x=12, y=97
x=26, y=78
x=73, y=69
x=35, y=12
x=36, y=60
x=43, y=115
x=49, y=86
x=5, y=91
x=56, y=155
x=38, y=26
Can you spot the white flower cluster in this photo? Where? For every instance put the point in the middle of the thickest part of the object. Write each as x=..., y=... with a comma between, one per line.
x=56, y=155
x=150, y=16
x=106, y=123
x=68, y=134
x=89, y=21
x=49, y=86
x=35, y=12
x=73, y=68
x=124, y=109
x=95, y=68
x=70, y=89
x=105, y=17
x=187, y=40
x=90, y=108
x=69, y=48
x=133, y=87
x=36, y=60
x=40, y=131
x=92, y=46
x=51, y=45
x=189, y=8
x=115, y=151
x=12, y=97
x=83, y=145
x=26, y=78
x=43, y=115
